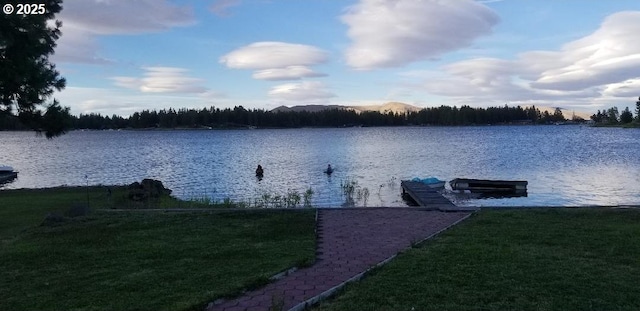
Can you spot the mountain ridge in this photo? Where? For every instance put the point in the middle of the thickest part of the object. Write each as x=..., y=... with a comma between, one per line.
x=398, y=107
x=395, y=107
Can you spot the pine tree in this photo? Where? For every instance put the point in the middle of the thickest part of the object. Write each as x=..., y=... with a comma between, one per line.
x=638, y=110
x=626, y=116
x=27, y=78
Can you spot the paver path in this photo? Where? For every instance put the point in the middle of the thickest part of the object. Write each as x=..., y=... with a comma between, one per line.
x=350, y=241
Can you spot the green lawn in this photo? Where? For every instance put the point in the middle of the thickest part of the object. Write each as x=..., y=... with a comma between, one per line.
x=138, y=260
x=24, y=208
x=532, y=259
x=551, y=259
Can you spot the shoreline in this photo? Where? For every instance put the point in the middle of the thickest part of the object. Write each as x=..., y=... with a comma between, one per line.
x=124, y=187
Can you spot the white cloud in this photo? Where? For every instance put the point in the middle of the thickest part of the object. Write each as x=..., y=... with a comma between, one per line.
x=491, y=82
x=76, y=46
x=628, y=88
x=124, y=102
x=277, y=60
x=83, y=21
x=286, y=73
x=125, y=16
x=599, y=69
x=609, y=55
x=98, y=100
x=306, y=91
x=390, y=33
x=162, y=80
x=268, y=55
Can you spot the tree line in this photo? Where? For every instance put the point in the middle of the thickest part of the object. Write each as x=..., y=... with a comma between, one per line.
x=28, y=81
x=613, y=116
x=239, y=117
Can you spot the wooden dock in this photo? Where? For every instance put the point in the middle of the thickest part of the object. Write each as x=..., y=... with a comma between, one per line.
x=428, y=197
x=482, y=185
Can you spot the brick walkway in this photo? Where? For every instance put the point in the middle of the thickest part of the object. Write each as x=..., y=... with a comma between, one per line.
x=350, y=241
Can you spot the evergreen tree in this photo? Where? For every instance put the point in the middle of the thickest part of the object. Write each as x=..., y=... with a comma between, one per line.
x=638, y=110
x=558, y=116
x=626, y=116
x=613, y=116
x=27, y=78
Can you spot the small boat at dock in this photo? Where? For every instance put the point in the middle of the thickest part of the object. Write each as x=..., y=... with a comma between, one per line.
x=7, y=174
x=431, y=182
x=489, y=186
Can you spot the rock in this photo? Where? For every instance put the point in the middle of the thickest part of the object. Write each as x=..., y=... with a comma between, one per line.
x=135, y=185
x=53, y=219
x=148, y=188
x=154, y=187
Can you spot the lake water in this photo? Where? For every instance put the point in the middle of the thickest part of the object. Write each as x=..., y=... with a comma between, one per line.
x=564, y=165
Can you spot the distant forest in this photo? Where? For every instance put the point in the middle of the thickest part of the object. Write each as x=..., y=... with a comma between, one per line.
x=240, y=117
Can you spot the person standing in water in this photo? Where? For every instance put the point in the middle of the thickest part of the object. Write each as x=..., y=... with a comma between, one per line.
x=259, y=171
x=329, y=169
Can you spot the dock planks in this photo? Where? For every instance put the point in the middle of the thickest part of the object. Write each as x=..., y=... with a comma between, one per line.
x=428, y=197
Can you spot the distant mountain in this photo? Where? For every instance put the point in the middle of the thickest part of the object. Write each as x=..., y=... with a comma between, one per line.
x=388, y=107
x=309, y=108
x=385, y=108
x=402, y=108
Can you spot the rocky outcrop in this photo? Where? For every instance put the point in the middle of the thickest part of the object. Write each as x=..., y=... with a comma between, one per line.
x=148, y=188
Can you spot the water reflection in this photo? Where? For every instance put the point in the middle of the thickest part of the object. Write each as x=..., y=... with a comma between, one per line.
x=564, y=165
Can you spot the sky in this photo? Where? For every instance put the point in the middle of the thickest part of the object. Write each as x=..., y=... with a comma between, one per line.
x=122, y=56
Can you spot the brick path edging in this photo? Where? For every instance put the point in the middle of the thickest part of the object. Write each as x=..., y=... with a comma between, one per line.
x=349, y=244
x=332, y=291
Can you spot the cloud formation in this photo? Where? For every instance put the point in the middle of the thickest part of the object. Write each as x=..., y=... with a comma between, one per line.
x=305, y=91
x=124, y=16
x=221, y=7
x=162, y=80
x=120, y=101
x=277, y=60
x=286, y=73
x=77, y=46
x=392, y=33
x=270, y=55
x=611, y=54
x=84, y=20
x=603, y=65
x=628, y=88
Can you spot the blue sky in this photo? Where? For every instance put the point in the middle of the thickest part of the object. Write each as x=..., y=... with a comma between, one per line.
x=121, y=56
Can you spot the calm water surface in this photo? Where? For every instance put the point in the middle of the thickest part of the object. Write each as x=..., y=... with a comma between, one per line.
x=565, y=165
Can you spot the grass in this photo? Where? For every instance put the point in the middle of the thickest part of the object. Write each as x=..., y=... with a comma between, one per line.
x=139, y=260
x=23, y=208
x=551, y=259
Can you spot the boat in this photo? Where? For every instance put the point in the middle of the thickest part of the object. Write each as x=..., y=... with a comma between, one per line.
x=489, y=186
x=431, y=182
x=7, y=173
